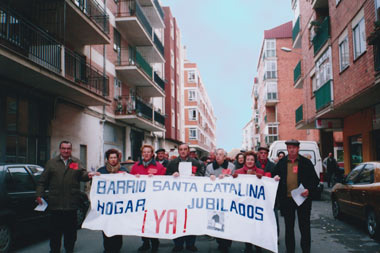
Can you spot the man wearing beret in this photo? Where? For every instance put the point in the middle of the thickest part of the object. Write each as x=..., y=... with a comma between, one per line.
x=161, y=157
x=263, y=161
x=295, y=169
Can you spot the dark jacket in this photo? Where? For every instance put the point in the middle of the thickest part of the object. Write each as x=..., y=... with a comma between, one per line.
x=173, y=166
x=306, y=175
x=163, y=162
x=63, y=183
x=103, y=170
x=269, y=167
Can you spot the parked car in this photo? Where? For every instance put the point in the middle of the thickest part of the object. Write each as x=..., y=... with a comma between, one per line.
x=17, y=198
x=308, y=149
x=359, y=196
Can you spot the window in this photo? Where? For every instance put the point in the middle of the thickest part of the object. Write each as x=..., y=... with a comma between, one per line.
x=367, y=175
x=172, y=58
x=116, y=40
x=359, y=38
x=117, y=88
x=337, y=2
x=271, y=91
x=377, y=9
x=191, y=76
x=270, y=48
x=192, y=95
x=272, y=134
x=193, y=114
x=353, y=175
x=173, y=118
x=323, y=70
x=344, y=54
x=172, y=88
x=193, y=134
x=19, y=180
x=270, y=70
x=356, y=147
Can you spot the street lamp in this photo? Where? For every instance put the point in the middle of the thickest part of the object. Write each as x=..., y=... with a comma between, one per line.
x=286, y=49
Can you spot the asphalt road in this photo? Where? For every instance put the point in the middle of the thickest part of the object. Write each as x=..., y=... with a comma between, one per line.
x=328, y=235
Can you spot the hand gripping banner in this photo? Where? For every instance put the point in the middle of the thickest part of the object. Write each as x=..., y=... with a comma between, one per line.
x=239, y=209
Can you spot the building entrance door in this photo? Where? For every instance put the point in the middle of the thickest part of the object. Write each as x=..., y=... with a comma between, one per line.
x=137, y=139
x=376, y=144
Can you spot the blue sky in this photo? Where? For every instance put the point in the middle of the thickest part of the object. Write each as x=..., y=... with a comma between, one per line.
x=224, y=38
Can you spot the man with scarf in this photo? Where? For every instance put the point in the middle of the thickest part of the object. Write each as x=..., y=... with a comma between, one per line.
x=221, y=168
x=112, y=244
x=263, y=161
x=184, y=151
x=148, y=166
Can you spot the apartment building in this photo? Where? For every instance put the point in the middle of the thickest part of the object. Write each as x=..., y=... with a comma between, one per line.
x=275, y=99
x=200, y=122
x=82, y=71
x=338, y=74
x=174, y=79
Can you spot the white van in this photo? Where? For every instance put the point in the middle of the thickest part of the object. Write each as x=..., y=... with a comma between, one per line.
x=308, y=149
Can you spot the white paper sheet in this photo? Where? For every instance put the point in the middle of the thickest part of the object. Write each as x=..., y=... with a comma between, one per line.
x=42, y=207
x=184, y=169
x=296, y=195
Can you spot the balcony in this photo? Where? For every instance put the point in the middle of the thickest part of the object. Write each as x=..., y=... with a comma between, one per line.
x=296, y=35
x=87, y=23
x=299, y=114
x=132, y=21
x=154, y=12
x=134, y=111
x=158, y=80
x=158, y=45
x=132, y=68
x=323, y=96
x=322, y=35
x=26, y=49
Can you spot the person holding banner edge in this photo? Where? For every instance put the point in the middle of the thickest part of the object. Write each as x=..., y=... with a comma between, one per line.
x=148, y=166
x=220, y=168
x=112, y=244
x=293, y=170
x=172, y=169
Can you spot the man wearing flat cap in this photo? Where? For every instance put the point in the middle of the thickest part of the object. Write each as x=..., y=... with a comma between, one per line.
x=295, y=169
x=161, y=157
x=263, y=161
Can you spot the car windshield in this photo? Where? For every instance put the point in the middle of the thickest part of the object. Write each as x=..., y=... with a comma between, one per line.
x=306, y=153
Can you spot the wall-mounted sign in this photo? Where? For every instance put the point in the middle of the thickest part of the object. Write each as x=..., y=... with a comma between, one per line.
x=328, y=124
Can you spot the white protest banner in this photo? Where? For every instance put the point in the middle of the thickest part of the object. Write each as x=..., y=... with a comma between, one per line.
x=239, y=209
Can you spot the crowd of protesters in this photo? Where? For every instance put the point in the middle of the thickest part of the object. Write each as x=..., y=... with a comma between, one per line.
x=216, y=165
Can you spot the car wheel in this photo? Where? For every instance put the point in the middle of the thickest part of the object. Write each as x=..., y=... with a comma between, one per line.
x=372, y=226
x=5, y=238
x=337, y=213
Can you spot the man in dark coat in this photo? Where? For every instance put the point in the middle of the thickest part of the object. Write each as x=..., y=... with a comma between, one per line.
x=160, y=157
x=62, y=177
x=332, y=167
x=294, y=169
x=263, y=161
x=197, y=170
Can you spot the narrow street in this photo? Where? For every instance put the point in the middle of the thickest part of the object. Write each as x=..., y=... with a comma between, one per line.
x=328, y=235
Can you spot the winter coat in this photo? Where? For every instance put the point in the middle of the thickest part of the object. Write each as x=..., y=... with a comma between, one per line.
x=269, y=167
x=174, y=164
x=63, y=183
x=215, y=169
x=103, y=170
x=154, y=168
x=306, y=176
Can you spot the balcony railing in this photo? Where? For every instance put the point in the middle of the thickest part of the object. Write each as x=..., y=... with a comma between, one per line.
x=159, y=9
x=322, y=35
x=131, y=57
x=82, y=73
x=22, y=36
x=159, y=81
x=323, y=96
x=271, y=96
x=270, y=75
x=33, y=43
x=158, y=44
x=94, y=11
x=299, y=114
x=158, y=117
x=143, y=109
x=296, y=29
x=128, y=8
x=297, y=72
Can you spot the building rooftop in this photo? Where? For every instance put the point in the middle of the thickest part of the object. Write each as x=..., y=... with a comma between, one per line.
x=281, y=31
